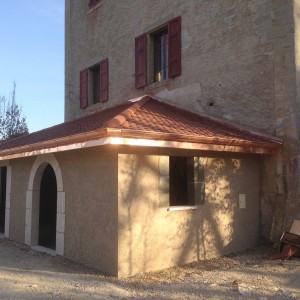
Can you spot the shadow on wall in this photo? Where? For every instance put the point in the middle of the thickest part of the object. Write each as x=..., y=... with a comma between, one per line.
x=215, y=228
x=150, y=237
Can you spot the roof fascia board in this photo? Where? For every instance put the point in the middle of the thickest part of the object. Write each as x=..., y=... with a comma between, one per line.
x=140, y=143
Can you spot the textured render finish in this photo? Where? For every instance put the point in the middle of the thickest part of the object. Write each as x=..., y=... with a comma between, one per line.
x=90, y=211
x=151, y=238
x=90, y=185
x=227, y=64
x=20, y=172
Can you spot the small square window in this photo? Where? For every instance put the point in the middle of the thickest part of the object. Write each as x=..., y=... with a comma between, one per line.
x=178, y=181
x=181, y=181
x=186, y=180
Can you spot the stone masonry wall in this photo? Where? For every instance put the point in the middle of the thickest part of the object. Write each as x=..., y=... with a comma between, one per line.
x=286, y=205
x=227, y=66
x=240, y=61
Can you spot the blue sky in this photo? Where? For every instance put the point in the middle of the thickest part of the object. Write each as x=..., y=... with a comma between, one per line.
x=32, y=55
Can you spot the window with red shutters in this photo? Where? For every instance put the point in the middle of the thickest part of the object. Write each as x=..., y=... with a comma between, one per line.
x=83, y=88
x=165, y=44
x=174, y=28
x=94, y=84
x=104, y=80
x=141, y=61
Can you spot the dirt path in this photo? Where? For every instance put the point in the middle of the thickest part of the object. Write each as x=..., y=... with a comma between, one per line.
x=27, y=274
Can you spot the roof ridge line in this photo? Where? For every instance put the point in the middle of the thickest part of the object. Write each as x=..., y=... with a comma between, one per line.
x=119, y=119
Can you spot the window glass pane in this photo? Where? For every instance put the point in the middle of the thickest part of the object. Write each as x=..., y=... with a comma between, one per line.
x=96, y=84
x=160, y=55
x=187, y=183
x=94, y=73
x=178, y=180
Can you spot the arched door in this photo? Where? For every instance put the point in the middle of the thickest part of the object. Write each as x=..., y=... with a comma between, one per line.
x=48, y=209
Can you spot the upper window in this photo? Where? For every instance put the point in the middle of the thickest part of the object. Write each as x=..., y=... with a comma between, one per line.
x=160, y=55
x=165, y=44
x=93, y=3
x=94, y=84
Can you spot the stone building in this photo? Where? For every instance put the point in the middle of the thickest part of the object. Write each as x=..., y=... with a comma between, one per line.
x=181, y=130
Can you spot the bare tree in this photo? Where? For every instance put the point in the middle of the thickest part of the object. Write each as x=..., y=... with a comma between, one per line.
x=12, y=121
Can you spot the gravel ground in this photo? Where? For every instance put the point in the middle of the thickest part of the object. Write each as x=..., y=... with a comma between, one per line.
x=27, y=274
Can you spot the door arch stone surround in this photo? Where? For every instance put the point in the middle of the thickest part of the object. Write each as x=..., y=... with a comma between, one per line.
x=32, y=202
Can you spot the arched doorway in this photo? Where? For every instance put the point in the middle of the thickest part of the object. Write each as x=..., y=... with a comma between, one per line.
x=45, y=178
x=48, y=208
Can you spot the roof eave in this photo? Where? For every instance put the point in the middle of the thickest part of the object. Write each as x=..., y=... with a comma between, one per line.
x=267, y=143
x=131, y=138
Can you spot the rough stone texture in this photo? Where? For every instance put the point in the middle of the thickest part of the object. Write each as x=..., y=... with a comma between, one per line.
x=285, y=40
x=226, y=56
x=151, y=237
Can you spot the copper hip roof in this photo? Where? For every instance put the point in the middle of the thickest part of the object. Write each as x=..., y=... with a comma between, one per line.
x=147, y=119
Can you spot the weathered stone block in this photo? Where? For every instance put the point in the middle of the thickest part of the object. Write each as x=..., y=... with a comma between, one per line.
x=289, y=41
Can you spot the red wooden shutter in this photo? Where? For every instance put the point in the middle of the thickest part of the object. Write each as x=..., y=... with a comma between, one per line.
x=141, y=61
x=104, y=80
x=83, y=88
x=174, y=31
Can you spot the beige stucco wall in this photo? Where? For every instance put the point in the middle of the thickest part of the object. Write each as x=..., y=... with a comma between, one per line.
x=90, y=185
x=20, y=172
x=151, y=237
x=226, y=55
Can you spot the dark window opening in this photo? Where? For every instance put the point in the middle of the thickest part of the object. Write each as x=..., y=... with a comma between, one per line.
x=160, y=43
x=187, y=185
x=3, y=175
x=95, y=83
x=178, y=180
x=48, y=209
